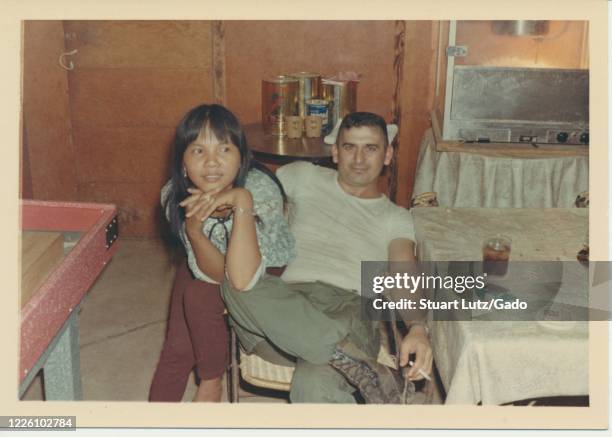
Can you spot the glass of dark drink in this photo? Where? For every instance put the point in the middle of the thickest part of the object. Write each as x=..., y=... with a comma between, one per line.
x=495, y=255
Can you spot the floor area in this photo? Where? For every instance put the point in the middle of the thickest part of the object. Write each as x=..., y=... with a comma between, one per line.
x=122, y=328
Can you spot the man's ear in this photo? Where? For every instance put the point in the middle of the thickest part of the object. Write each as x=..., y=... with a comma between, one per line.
x=388, y=154
x=334, y=150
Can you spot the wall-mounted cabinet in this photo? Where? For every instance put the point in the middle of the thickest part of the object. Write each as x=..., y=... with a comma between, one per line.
x=513, y=82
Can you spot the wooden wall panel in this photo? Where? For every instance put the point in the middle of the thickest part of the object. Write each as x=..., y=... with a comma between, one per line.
x=388, y=183
x=132, y=83
x=418, y=86
x=218, y=59
x=123, y=155
x=47, y=113
x=139, y=207
x=441, y=67
x=135, y=97
x=140, y=44
x=25, y=174
x=259, y=49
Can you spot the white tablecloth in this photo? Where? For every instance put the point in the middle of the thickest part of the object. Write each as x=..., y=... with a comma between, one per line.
x=500, y=362
x=471, y=180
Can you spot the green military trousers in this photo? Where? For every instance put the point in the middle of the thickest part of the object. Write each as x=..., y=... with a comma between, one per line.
x=306, y=321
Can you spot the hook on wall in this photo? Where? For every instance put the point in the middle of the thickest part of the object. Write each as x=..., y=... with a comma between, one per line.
x=62, y=57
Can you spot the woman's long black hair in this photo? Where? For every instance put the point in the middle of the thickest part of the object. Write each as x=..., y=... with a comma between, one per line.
x=226, y=127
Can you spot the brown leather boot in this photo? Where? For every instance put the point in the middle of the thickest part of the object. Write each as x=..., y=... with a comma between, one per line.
x=378, y=384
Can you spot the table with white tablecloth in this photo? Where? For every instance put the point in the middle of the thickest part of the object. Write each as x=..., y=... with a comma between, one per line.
x=497, y=362
x=464, y=180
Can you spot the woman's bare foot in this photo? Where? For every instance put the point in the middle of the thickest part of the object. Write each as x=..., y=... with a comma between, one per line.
x=208, y=391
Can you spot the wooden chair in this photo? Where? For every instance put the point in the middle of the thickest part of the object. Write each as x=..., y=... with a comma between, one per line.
x=261, y=373
x=254, y=370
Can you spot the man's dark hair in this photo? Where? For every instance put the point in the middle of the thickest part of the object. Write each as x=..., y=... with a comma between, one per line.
x=359, y=119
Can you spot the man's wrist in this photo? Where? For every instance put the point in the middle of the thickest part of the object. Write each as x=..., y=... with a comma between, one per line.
x=418, y=326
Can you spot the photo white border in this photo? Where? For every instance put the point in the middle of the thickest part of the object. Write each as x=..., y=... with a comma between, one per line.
x=139, y=414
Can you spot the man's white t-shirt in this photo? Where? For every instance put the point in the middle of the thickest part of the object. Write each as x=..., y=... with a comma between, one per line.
x=334, y=231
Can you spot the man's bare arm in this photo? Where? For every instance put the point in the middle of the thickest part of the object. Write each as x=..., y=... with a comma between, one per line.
x=402, y=260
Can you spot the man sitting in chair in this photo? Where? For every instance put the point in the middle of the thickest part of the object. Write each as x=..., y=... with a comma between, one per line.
x=338, y=218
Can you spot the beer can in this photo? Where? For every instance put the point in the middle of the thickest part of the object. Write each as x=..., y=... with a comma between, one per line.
x=310, y=88
x=320, y=108
x=279, y=99
x=343, y=94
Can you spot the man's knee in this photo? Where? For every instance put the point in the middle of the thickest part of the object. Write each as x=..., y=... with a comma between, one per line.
x=266, y=288
x=319, y=383
x=225, y=288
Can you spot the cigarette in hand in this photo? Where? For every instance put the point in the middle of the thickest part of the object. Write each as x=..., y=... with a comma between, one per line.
x=421, y=371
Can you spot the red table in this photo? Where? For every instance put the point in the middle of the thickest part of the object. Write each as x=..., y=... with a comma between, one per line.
x=49, y=326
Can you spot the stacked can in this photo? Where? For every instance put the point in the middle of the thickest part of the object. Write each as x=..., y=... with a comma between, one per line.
x=279, y=99
x=320, y=108
x=310, y=88
x=305, y=94
x=342, y=95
